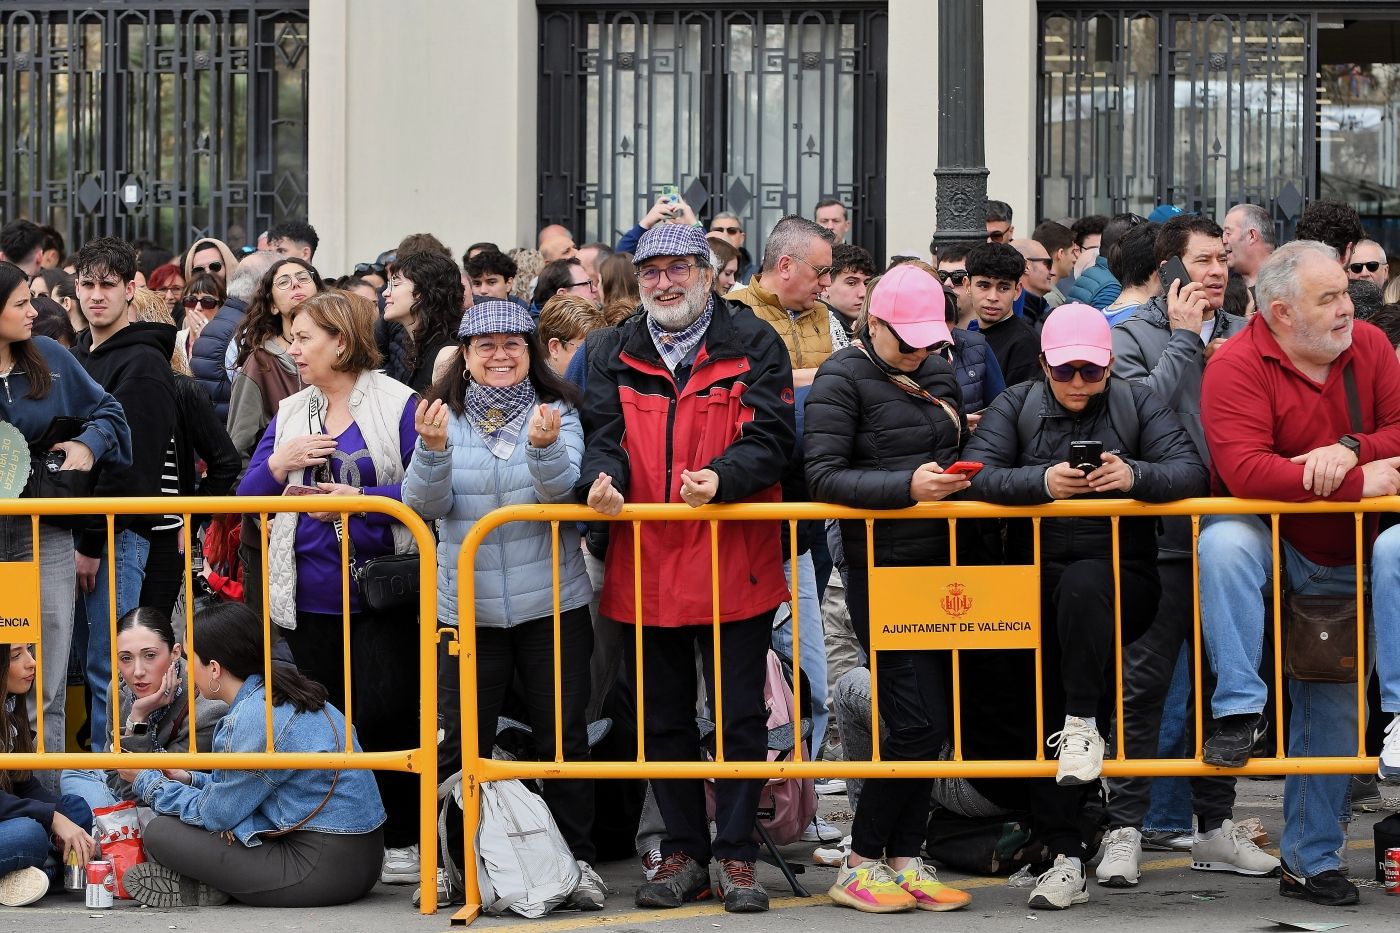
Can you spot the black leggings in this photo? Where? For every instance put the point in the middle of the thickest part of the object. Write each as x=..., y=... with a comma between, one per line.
x=301, y=869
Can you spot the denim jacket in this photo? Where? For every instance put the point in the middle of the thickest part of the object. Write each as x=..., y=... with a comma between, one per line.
x=252, y=802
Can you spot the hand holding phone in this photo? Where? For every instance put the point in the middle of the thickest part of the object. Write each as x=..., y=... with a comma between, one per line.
x=967, y=469
x=1086, y=456
x=295, y=490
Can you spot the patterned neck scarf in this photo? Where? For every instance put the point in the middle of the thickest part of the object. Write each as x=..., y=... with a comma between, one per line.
x=677, y=347
x=177, y=703
x=498, y=414
x=10, y=718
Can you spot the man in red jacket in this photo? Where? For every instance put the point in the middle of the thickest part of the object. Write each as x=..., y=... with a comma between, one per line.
x=1302, y=406
x=693, y=402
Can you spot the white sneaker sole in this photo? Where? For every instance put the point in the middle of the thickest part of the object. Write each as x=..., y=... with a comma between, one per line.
x=1118, y=881
x=399, y=877
x=23, y=887
x=1234, y=869
x=1040, y=902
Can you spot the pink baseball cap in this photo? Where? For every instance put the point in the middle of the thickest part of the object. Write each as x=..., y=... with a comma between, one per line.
x=1076, y=332
x=911, y=301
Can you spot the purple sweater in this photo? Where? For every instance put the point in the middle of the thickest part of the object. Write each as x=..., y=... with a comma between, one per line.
x=317, y=550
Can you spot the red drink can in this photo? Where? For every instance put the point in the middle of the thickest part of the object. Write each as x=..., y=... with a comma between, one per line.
x=101, y=884
x=1392, y=871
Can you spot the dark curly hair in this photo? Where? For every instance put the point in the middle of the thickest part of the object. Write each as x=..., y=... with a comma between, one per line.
x=438, y=304
x=998, y=261
x=262, y=322
x=1331, y=222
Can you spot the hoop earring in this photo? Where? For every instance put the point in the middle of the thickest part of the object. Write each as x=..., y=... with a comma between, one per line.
x=214, y=689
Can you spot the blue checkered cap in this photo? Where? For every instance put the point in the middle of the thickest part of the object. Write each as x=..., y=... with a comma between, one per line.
x=495, y=317
x=672, y=240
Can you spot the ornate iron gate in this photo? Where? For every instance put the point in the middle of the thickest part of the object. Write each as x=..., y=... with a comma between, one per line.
x=166, y=121
x=762, y=112
x=1203, y=110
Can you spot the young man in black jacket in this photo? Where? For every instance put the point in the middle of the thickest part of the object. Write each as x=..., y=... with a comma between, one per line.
x=132, y=362
x=994, y=282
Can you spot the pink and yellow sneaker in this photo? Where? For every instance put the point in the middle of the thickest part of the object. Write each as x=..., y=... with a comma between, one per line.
x=928, y=892
x=869, y=887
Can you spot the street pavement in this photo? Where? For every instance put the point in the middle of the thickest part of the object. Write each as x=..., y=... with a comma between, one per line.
x=1171, y=898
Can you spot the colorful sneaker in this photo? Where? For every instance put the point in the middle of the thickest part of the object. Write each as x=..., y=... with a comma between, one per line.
x=1080, y=752
x=870, y=887
x=922, y=883
x=680, y=878
x=1061, y=887
x=739, y=889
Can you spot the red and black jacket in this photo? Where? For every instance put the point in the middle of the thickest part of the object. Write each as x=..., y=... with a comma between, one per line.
x=733, y=415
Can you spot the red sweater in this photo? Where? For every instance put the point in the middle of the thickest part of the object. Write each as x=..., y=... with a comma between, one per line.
x=1259, y=410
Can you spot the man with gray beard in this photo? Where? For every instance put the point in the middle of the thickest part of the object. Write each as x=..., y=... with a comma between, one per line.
x=692, y=402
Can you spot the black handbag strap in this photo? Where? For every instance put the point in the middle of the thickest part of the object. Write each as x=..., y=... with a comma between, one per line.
x=1353, y=399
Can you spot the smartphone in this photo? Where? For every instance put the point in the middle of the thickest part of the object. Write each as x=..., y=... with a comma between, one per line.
x=1173, y=270
x=967, y=469
x=1086, y=456
x=303, y=491
x=671, y=193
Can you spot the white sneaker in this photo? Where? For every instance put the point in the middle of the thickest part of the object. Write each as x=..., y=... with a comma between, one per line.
x=24, y=887
x=651, y=862
x=589, y=893
x=832, y=855
x=444, y=892
x=400, y=866
x=1061, y=887
x=1122, y=851
x=819, y=830
x=1080, y=752
x=828, y=786
x=1231, y=848
x=1390, y=753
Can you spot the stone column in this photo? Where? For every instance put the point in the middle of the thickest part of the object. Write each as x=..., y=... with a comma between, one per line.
x=962, y=171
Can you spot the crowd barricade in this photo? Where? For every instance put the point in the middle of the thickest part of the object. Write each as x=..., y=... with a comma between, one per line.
x=896, y=592
x=21, y=609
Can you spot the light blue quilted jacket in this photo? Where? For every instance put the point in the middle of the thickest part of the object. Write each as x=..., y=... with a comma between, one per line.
x=462, y=483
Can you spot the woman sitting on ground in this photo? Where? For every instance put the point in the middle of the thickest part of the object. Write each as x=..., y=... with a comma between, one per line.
x=268, y=838
x=152, y=704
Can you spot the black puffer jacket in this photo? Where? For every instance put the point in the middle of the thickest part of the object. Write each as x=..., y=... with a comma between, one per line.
x=1165, y=462
x=865, y=437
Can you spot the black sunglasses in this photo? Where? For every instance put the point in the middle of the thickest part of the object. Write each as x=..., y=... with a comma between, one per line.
x=1046, y=261
x=905, y=347
x=957, y=277
x=207, y=302
x=213, y=268
x=370, y=268
x=1089, y=372
x=1371, y=266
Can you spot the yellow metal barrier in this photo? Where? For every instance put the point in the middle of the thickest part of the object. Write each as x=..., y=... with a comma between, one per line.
x=477, y=771
x=421, y=759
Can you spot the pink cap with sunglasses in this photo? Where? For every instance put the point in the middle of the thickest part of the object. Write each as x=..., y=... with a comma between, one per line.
x=911, y=301
x=1076, y=332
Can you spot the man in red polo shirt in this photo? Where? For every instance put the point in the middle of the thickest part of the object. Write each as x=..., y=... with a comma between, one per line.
x=1302, y=406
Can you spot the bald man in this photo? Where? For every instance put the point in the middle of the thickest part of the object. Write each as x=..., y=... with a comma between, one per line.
x=550, y=231
x=1037, y=280
x=1368, y=262
x=558, y=247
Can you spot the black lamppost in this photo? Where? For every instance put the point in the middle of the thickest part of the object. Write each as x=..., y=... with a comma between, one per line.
x=961, y=204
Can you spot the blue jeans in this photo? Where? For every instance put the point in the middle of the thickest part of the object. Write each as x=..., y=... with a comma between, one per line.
x=90, y=785
x=1235, y=562
x=813, y=645
x=131, y=573
x=1171, y=797
x=25, y=843
x=1385, y=593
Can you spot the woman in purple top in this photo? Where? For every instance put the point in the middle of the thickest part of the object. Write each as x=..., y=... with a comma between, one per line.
x=349, y=432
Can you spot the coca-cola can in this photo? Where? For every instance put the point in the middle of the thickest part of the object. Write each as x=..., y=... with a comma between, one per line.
x=1392, y=871
x=101, y=884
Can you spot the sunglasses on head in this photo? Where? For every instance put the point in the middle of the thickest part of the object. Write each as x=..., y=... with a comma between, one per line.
x=214, y=268
x=370, y=268
x=1089, y=372
x=957, y=277
x=207, y=302
x=1371, y=266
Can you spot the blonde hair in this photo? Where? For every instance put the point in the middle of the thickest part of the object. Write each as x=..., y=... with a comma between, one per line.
x=149, y=308
x=528, y=263
x=568, y=317
x=1392, y=290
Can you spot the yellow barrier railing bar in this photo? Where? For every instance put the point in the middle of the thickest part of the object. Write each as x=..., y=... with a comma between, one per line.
x=637, y=613
x=956, y=664
x=1118, y=632
x=1039, y=658
x=717, y=666
x=39, y=646
x=1196, y=646
x=1280, y=736
x=871, y=653
x=796, y=645
x=114, y=686
x=1360, y=641
x=420, y=760
x=558, y=648
x=190, y=717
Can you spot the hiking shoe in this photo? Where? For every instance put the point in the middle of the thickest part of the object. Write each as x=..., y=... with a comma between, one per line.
x=23, y=887
x=832, y=856
x=1165, y=840
x=1365, y=793
x=1061, y=887
x=1122, y=851
x=828, y=786
x=1080, y=752
x=1389, y=766
x=819, y=830
x=651, y=861
x=740, y=890
x=1231, y=848
x=1326, y=889
x=1233, y=741
x=154, y=885
x=589, y=893
x=870, y=887
x=922, y=884
x=679, y=878
x=400, y=866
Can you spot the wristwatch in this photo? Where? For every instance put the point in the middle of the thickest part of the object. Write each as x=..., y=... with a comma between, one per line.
x=138, y=728
x=1351, y=444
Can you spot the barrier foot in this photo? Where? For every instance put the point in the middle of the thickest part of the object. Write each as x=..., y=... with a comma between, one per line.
x=466, y=915
x=771, y=855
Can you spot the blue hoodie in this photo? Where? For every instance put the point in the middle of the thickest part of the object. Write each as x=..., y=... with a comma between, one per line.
x=73, y=394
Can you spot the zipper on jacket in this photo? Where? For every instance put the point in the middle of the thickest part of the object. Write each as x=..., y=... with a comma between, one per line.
x=670, y=441
x=6, y=379
x=505, y=575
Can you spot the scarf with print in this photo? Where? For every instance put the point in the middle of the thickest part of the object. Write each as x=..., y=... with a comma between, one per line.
x=498, y=414
x=176, y=706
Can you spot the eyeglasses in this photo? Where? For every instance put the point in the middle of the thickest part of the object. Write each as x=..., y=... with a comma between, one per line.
x=207, y=302
x=214, y=268
x=284, y=282
x=487, y=348
x=1045, y=261
x=821, y=271
x=1089, y=372
x=955, y=277
x=677, y=273
x=905, y=347
x=729, y=230
x=994, y=236
x=1371, y=266
x=370, y=268
x=586, y=283
x=171, y=291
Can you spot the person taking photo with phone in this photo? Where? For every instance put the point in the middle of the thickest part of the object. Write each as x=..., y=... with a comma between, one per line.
x=1074, y=433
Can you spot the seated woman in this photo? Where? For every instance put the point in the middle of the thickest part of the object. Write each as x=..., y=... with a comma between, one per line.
x=152, y=703
x=38, y=831
x=269, y=838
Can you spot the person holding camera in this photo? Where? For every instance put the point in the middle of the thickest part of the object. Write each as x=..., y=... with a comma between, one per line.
x=1073, y=433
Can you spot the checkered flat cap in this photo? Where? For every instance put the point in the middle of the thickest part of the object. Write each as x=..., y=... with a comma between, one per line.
x=672, y=240
x=495, y=317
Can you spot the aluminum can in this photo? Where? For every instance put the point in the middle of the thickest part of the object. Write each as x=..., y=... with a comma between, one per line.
x=101, y=884
x=1392, y=871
